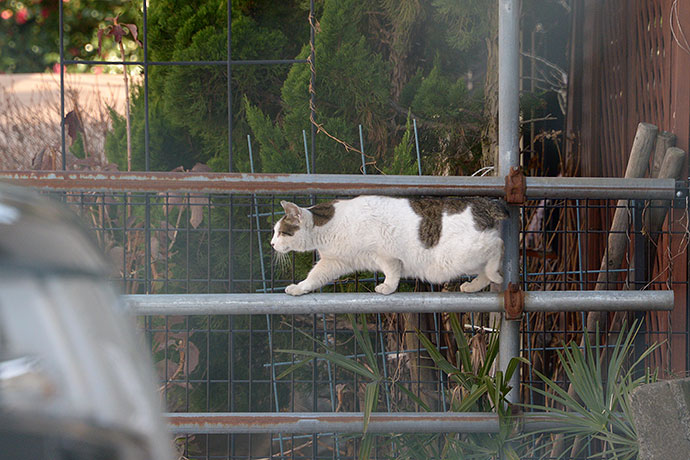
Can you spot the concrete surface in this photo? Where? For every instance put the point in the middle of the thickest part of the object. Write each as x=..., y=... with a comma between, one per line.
x=661, y=414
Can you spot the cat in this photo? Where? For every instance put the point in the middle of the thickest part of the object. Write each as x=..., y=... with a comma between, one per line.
x=431, y=239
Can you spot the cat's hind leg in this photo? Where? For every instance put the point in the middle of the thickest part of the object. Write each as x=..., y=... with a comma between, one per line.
x=324, y=271
x=477, y=284
x=491, y=274
x=493, y=269
x=392, y=269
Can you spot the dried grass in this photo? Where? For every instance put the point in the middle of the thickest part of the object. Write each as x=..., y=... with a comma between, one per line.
x=30, y=136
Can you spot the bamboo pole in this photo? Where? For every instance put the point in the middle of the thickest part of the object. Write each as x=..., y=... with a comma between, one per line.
x=638, y=162
x=664, y=141
x=671, y=168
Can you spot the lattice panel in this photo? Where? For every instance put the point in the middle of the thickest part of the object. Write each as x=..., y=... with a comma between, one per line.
x=631, y=79
x=614, y=66
x=649, y=67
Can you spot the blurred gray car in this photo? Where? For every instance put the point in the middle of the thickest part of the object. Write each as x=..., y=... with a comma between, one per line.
x=74, y=381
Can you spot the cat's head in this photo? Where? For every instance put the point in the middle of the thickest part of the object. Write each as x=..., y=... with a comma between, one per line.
x=292, y=231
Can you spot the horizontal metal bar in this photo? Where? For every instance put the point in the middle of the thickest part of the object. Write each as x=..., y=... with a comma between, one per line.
x=325, y=422
x=600, y=188
x=343, y=184
x=401, y=302
x=188, y=63
x=557, y=301
x=255, y=183
x=350, y=422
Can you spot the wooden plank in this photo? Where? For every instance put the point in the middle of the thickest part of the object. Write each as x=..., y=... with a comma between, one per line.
x=680, y=126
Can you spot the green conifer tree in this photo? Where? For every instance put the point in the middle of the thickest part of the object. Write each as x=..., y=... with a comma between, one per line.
x=351, y=87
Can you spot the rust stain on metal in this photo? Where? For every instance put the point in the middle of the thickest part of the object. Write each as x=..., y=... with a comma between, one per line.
x=170, y=182
x=259, y=421
x=514, y=302
x=515, y=188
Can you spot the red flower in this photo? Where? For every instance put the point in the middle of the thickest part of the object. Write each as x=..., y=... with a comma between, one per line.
x=6, y=14
x=22, y=15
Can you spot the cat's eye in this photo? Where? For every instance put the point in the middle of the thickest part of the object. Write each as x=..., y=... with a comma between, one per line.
x=285, y=233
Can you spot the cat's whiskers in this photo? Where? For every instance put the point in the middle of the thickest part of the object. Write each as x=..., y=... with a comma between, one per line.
x=282, y=262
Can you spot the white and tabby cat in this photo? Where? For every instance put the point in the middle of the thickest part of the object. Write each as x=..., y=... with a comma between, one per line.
x=431, y=239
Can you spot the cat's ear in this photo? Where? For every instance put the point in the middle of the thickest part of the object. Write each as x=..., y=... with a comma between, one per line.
x=292, y=210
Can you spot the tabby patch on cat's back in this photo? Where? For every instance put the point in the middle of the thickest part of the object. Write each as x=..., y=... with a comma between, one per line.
x=431, y=239
x=431, y=210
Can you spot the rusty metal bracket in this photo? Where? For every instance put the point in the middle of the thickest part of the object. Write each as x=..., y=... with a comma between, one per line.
x=515, y=186
x=514, y=302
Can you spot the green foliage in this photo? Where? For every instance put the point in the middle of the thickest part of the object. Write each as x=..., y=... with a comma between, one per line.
x=275, y=153
x=483, y=392
x=169, y=147
x=599, y=406
x=404, y=160
x=368, y=370
x=598, y=410
x=439, y=97
x=451, y=117
x=29, y=37
x=77, y=148
x=192, y=100
x=467, y=20
x=351, y=87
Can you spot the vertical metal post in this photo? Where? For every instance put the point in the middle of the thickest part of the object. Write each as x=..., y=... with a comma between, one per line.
x=258, y=223
x=640, y=245
x=312, y=81
x=231, y=279
x=62, y=85
x=508, y=126
x=306, y=151
x=640, y=275
x=229, y=87
x=147, y=154
x=361, y=148
x=416, y=145
x=269, y=325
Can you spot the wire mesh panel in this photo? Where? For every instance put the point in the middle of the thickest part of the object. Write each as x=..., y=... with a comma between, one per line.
x=562, y=246
x=194, y=243
x=182, y=243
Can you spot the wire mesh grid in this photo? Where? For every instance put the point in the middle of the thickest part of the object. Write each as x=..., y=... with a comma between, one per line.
x=220, y=243
x=181, y=243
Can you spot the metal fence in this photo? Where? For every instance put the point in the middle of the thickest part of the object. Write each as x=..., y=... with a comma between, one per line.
x=211, y=304
x=146, y=63
x=192, y=253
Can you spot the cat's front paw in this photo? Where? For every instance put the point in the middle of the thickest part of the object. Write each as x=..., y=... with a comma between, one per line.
x=294, y=289
x=384, y=289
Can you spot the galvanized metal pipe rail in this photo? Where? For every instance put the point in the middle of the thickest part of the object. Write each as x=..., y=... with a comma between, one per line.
x=431, y=302
x=350, y=422
x=340, y=184
x=509, y=162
